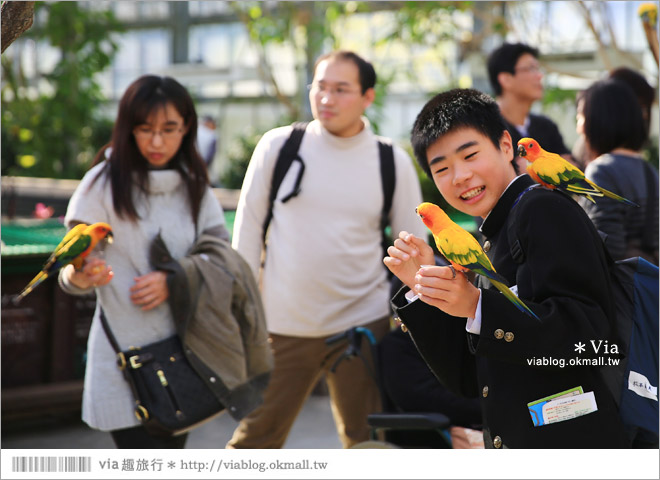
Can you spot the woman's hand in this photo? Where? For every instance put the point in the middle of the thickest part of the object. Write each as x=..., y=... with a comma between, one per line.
x=447, y=289
x=95, y=273
x=150, y=290
x=406, y=256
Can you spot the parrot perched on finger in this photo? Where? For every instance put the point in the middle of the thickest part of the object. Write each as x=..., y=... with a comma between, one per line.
x=464, y=251
x=74, y=247
x=552, y=171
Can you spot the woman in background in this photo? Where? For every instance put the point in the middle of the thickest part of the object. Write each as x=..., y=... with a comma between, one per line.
x=151, y=182
x=614, y=129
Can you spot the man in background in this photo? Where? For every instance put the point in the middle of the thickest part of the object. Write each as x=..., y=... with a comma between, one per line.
x=516, y=78
x=207, y=140
x=323, y=271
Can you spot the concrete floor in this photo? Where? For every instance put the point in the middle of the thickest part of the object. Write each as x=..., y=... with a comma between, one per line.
x=314, y=428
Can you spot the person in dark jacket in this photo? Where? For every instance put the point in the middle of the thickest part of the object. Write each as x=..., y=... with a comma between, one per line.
x=474, y=339
x=615, y=130
x=516, y=79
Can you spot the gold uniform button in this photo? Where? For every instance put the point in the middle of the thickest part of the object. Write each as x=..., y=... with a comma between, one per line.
x=508, y=336
x=486, y=246
x=499, y=334
x=484, y=392
x=497, y=442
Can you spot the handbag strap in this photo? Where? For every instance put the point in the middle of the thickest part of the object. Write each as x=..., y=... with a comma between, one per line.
x=108, y=332
x=143, y=413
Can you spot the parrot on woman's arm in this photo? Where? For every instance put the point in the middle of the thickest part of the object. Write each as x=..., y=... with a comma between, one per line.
x=74, y=247
x=552, y=171
x=463, y=250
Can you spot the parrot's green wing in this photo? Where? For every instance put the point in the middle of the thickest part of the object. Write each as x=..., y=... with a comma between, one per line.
x=458, y=246
x=563, y=175
x=72, y=245
x=462, y=248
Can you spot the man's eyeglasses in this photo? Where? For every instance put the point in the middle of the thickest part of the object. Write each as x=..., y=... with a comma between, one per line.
x=530, y=69
x=148, y=134
x=338, y=91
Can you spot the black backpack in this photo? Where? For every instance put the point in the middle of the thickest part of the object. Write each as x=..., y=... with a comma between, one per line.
x=289, y=154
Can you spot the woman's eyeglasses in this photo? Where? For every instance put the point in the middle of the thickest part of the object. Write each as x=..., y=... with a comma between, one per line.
x=148, y=134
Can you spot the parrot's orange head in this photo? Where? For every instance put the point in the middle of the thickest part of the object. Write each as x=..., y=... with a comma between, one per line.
x=529, y=149
x=99, y=231
x=433, y=216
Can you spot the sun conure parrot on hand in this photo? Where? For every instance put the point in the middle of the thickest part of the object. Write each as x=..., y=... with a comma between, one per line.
x=552, y=171
x=463, y=250
x=74, y=247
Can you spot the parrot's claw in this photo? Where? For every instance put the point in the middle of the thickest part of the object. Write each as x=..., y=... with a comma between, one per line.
x=453, y=272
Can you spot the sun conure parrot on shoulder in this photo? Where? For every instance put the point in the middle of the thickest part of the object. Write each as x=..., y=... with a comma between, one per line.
x=463, y=251
x=74, y=247
x=552, y=171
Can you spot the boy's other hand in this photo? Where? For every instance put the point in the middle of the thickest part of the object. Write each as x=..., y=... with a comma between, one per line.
x=447, y=289
x=406, y=256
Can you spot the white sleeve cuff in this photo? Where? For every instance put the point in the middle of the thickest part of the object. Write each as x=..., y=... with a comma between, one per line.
x=473, y=325
x=410, y=296
x=69, y=287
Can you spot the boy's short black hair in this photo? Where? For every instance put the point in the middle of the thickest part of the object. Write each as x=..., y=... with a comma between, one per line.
x=453, y=110
x=366, y=70
x=612, y=117
x=504, y=59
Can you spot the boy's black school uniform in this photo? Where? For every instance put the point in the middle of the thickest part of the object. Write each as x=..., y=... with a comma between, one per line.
x=564, y=280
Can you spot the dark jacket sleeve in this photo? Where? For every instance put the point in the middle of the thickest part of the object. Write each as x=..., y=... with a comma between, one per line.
x=442, y=341
x=564, y=279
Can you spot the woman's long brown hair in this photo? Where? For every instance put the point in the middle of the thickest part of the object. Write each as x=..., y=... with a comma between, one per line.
x=127, y=168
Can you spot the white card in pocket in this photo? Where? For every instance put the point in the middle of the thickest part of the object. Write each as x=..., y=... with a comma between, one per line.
x=568, y=408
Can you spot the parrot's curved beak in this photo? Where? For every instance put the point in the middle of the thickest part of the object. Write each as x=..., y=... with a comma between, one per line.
x=521, y=151
x=109, y=237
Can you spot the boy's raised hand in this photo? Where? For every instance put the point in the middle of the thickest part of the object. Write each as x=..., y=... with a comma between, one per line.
x=406, y=256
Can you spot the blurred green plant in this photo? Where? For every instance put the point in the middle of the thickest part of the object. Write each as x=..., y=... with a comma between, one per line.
x=51, y=125
x=238, y=156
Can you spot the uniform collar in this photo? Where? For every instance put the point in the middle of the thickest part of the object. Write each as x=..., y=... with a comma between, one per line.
x=499, y=214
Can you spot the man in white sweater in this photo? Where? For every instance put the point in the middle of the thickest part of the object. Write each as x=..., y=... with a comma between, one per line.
x=323, y=272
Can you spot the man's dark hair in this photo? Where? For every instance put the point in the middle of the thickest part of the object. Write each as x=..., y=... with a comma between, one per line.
x=612, y=117
x=453, y=110
x=366, y=70
x=504, y=59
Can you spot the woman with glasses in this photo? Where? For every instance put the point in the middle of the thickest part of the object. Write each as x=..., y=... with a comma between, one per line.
x=148, y=180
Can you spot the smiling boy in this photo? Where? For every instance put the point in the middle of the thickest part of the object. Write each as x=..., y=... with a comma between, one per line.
x=472, y=337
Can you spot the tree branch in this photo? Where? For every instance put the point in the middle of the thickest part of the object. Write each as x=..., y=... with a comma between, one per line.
x=17, y=17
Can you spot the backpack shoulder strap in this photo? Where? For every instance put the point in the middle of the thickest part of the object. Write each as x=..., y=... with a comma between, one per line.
x=515, y=247
x=387, y=177
x=648, y=239
x=287, y=155
x=388, y=180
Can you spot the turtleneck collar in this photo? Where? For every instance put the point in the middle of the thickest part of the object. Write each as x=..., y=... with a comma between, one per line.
x=164, y=181
x=499, y=214
x=344, y=142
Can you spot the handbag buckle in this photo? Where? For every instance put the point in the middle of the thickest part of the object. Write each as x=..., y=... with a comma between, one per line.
x=134, y=361
x=141, y=413
x=121, y=360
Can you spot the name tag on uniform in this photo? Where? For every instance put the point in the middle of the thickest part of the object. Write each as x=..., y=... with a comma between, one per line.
x=562, y=406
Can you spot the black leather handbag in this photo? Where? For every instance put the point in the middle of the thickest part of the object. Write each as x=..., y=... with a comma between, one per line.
x=170, y=396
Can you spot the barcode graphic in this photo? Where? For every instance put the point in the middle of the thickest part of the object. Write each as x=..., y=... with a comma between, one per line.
x=51, y=464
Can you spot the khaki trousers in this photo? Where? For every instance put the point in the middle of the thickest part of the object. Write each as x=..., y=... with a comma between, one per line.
x=299, y=364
